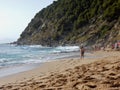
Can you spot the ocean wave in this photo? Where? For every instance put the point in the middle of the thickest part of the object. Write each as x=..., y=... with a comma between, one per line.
x=67, y=48
x=35, y=46
x=14, y=55
x=31, y=61
x=3, y=60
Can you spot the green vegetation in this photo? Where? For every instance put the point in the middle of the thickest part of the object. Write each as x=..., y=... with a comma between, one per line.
x=104, y=29
x=112, y=10
x=65, y=20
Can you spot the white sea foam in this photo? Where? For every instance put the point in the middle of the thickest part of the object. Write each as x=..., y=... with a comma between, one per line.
x=35, y=46
x=14, y=55
x=3, y=60
x=67, y=48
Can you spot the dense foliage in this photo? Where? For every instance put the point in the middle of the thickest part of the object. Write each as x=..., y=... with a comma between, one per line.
x=66, y=18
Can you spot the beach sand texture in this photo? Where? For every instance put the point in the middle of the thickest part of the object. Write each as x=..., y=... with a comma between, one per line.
x=73, y=74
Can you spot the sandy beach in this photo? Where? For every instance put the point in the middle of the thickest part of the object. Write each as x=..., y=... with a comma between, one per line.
x=99, y=73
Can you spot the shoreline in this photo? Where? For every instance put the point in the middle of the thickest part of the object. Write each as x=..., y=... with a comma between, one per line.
x=8, y=72
x=55, y=67
x=11, y=70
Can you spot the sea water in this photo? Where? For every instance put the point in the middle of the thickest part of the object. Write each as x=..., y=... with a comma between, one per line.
x=12, y=55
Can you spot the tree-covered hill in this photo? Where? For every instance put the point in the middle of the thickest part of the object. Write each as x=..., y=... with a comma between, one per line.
x=74, y=22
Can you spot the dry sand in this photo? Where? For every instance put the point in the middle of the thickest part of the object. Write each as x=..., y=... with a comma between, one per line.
x=101, y=73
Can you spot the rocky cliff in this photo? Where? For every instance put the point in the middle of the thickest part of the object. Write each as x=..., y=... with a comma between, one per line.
x=74, y=22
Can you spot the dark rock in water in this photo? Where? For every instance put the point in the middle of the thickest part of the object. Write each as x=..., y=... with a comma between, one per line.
x=74, y=22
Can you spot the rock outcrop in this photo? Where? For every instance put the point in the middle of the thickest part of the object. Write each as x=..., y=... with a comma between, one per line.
x=74, y=22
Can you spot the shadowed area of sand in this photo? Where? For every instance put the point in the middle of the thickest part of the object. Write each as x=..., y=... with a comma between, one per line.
x=74, y=74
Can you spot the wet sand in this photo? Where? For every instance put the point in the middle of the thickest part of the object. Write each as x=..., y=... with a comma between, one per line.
x=6, y=71
x=101, y=73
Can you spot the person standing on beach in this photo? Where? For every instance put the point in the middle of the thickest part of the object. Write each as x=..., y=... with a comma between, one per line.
x=82, y=51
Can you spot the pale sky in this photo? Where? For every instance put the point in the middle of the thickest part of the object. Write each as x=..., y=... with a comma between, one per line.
x=15, y=16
